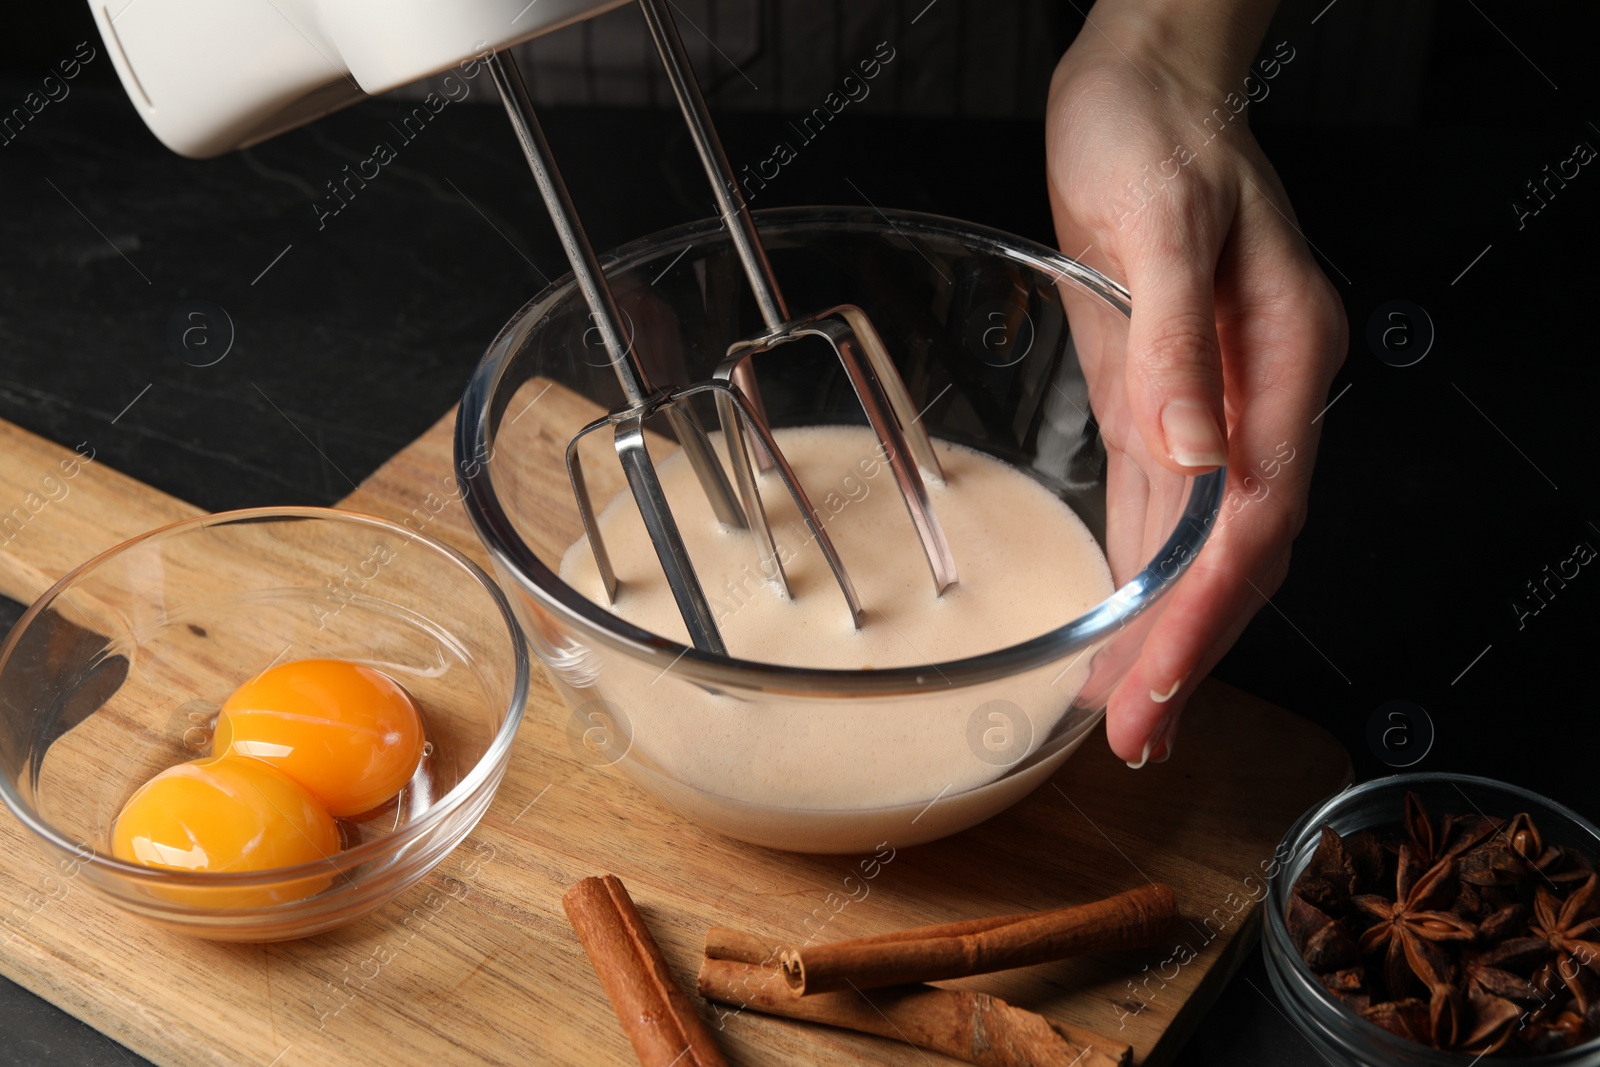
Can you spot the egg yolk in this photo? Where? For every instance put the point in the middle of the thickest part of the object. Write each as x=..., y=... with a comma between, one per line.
x=227, y=815
x=349, y=734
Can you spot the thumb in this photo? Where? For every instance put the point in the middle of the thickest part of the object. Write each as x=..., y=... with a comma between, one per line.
x=1174, y=364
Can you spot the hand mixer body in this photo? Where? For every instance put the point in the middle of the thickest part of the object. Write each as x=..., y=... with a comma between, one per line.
x=209, y=76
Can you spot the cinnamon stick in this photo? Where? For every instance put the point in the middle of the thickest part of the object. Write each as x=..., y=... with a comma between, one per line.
x=974, y=1027
x=725, y=943
x=656, y=1015
x=1135, y=919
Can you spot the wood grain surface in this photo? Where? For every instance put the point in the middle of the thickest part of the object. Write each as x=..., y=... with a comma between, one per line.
x=478, y=965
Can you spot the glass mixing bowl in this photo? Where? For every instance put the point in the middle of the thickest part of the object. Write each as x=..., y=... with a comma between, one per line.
x=118, y=672
x=977, y=323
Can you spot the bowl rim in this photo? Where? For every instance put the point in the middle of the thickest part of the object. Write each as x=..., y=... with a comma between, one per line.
x=513, y=557
x=1279, y=947
x=489, y=766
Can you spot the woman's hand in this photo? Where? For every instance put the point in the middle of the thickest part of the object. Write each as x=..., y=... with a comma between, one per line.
x=1236, y=334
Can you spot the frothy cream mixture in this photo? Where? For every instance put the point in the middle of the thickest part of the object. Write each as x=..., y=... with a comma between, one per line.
x=1027, y=565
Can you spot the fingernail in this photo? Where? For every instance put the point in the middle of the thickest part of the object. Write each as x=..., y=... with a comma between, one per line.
x=1193, y=437
x=1162, y=698
x=1169, y=737
x=1144, y=757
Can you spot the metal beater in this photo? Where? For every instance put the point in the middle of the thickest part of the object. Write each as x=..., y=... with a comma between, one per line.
x=847, y=329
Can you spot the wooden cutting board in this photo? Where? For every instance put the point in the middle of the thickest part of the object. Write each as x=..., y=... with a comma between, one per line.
x=478, y=965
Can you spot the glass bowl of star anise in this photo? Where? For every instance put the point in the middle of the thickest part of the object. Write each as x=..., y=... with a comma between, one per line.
x=1436, y=919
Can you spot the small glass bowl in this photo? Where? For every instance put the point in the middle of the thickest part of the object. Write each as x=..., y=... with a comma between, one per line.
x=977, y=322
x=118, y=671
x=1340, y=1035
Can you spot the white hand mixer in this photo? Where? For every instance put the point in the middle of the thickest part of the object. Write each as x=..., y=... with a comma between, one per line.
x=209, y=76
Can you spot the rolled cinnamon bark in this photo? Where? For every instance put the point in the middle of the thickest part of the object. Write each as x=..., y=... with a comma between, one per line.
x=1135, y=919
x=974, y=1027
x=656, y=1015
x=723, y=943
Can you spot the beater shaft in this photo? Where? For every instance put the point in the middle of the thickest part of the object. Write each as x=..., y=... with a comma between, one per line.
x=857, y=343
x=730, y=203
x=629, y=435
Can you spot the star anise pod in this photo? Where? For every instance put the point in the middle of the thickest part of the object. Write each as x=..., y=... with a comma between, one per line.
x=1502, y=923
x=1576, y=867
x=1494, y=1020
x=1567, y=927
x=1454, y=834
x=1471, y=830
x=1463, y=1021
x=1469, y=1023
x=1370, y=860
x=1517, y=852
x=1558, y=1032
x=1330, y=876
x=1419, y=830
x=1503, y=860
x=1411, y=928
x=1348, y=987
x=1478, y=903
x=1498, y=971
x=1551, y=990
x=1448, y=1021
x=1344, y=980
x=1563, y=867
x=1321, y=939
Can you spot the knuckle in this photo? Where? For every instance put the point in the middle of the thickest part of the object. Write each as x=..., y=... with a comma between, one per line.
x=1339, y=346
x=1179, y=345
x=1192, y=195
x=1277, y=571
x=1328, y=313
x=1284, y=522
x=1184, y=217
x=1294, y=522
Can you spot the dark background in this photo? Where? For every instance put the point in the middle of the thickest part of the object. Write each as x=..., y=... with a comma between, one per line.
x=1403, y=132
